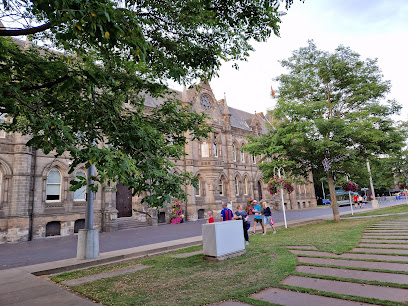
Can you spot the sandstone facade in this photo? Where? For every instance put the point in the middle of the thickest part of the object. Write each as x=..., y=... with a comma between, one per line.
x=35, y=200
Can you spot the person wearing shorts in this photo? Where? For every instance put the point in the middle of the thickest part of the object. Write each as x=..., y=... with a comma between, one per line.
x=258, y=216
x=267, y=217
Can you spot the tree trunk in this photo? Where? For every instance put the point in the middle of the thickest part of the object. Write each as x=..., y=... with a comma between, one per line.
x=336, y=215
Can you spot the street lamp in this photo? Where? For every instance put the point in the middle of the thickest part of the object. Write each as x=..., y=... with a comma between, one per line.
x=281, y=191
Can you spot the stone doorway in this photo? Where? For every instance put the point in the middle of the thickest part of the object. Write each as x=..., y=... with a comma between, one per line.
x=123, y=201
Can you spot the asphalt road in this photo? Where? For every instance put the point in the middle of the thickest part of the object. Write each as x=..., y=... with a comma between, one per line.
x=57, y=248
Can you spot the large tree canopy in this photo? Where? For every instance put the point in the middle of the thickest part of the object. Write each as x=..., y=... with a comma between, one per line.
x=330, y=112
x=111, y=54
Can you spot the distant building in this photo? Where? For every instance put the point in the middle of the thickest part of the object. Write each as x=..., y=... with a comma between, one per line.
x=35, y=200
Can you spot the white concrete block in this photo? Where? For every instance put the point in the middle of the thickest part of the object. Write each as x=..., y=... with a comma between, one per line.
x=223, y=238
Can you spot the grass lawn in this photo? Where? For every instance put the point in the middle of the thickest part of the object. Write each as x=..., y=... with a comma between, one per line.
x=193, y=281
x=382, y=211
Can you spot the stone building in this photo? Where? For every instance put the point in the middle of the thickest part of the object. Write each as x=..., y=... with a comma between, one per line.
x=35, y=200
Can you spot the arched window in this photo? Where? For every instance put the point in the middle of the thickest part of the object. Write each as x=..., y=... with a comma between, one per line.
x=2, y=120
x=236, y=185
x=221, y=187
x=204, y=149
x=80, y=194
x=198, y=188
x=1, y=186
x=53, y=190
x=242, y=156
x=234, y=156
x=246, y=185
x=253, y=159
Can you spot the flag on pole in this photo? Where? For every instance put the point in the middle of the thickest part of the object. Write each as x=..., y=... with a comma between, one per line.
x=273, y=93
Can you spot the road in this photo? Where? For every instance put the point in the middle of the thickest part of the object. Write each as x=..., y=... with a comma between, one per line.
x=57, y=248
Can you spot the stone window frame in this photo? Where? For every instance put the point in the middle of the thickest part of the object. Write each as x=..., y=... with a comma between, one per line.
x=242, y=154
x=234, y=154
x=246, y=185
x=60, y=186
x=6, y=174
x=222, y=185
x=3, y=118
x=206, y=102
x=85, y=187
x=236, y=184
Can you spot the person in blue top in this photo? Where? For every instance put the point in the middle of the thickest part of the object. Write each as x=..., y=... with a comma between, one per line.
x=258, y=216
x=226, y=213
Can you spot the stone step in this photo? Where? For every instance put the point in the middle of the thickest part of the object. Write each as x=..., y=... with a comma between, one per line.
x=293, y=298
x=352, y=255
x=378, y=250
x=128, y=223
x=385, y=241
x=393, y=231
x=385, y=236
x=356, y=274
x=362, y=290
x=391, y=266
x=384, y=245
x=91, y=278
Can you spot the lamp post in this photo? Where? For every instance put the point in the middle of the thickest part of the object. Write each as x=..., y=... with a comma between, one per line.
x=351, y=205
x=374, y=202
x=88, y=238
x=281, y=191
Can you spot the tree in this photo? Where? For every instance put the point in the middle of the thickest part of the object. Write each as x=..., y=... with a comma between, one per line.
x=329, y=115
x=115, y=53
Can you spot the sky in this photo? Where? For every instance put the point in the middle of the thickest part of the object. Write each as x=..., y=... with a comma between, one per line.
x=372, y=28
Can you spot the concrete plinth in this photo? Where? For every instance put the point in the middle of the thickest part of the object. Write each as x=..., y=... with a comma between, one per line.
x=222, y=240
x=374, y=203
x=88, y=244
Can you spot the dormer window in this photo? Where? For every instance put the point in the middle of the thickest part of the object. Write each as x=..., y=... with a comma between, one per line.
x=205, y=102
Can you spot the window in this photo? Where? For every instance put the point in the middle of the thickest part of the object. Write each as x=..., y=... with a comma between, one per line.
x=198, y=189
x=1, y=185
x=242, y=156
x=253, y=159
x=2, y=120
x=204, y=149
x=53, y=190
x=236, y=185
x=215, y=149
x=246, y=185
x=234, y=156
x=221, y=187
x=205, y=102
x=80, y=194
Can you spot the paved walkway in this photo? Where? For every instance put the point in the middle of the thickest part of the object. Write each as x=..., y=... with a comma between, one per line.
x=20, y=286
x=351, y=277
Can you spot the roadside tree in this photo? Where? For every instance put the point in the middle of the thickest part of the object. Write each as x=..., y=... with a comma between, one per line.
x=115, y=53
x=330, y=113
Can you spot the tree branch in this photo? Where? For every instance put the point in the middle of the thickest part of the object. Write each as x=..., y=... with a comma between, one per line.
x=46, y=85
x=20, y=32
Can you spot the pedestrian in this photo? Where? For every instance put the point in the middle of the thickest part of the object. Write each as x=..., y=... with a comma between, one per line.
x=355, y=198
x=267, y=217
x=210, y=217
x=360, y=201
x=258, y=216
x=226, y=213
x=241, y=214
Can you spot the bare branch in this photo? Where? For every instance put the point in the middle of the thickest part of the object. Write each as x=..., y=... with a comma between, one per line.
x=28, y=31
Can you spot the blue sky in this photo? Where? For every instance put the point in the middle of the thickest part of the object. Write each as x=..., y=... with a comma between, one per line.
x=372, y=28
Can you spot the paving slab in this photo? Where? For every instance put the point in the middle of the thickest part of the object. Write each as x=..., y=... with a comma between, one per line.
x=378, y=250
x=91, y=278
x=310, y=247
x=386, y=230
x=185, y=255
x=384, y=245
x=392, y=241
x=353, y=255
x=356, y=274
x=391, y=266
x=33, y=290
x=363, y=290
x=293, y=298
x=386, y=236
x=231, y=303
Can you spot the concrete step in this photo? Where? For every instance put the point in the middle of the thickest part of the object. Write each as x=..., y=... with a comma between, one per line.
x=293, y=298
x=391, y=266
x=384, y=245
x=356, y=274
x=128, y=223
x=354, y=289
x=379, y=250
x=386, y=241
x=353, y=255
